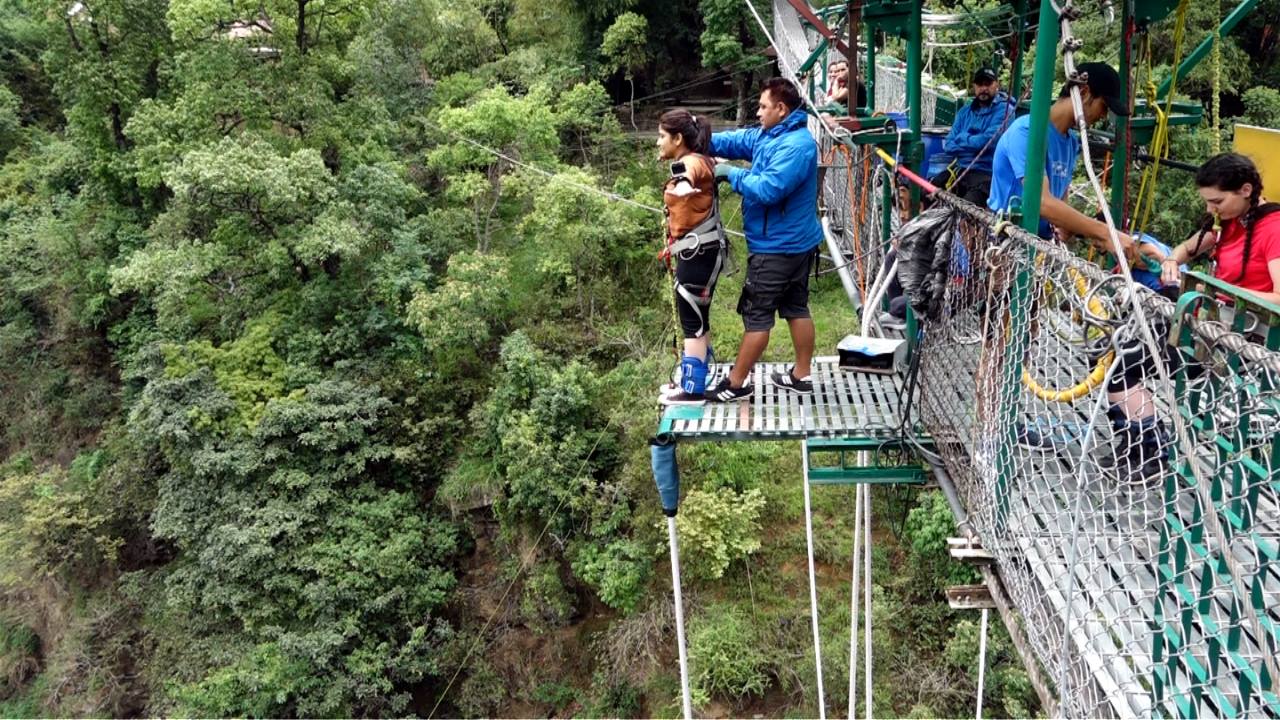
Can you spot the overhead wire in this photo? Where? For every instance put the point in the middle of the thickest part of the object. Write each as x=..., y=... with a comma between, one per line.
x=717, y=74
x=613, y=196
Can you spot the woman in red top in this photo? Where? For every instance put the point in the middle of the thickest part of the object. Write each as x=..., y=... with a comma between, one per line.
x=1246, y=251
x=695, y=244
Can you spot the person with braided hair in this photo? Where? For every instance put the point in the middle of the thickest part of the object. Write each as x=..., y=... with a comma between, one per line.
x=1246, y=250
x=1246, y=253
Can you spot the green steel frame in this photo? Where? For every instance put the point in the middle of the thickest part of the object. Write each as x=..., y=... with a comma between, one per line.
x=1187, y=565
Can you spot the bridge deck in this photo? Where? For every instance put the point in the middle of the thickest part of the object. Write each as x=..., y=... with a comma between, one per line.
x=844, y=404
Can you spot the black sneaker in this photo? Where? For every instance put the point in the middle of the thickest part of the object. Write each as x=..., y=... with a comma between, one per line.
x=787, y=381
x=723, y=392
x=680, y=397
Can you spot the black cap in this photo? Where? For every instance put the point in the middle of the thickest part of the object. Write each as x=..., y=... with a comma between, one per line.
x=1104, y=82
x=984, y=75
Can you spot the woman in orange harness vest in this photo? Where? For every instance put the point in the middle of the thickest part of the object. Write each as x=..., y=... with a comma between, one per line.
x=695, y=243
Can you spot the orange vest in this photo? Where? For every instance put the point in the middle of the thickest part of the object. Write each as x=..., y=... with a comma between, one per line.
x=686, y=212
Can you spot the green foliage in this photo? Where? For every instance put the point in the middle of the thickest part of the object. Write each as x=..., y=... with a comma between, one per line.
x=1008, y=689
x=546, y=439
x=248, y=369
x=718, y=527
x=50, y=527
x=619, y=571
x=1262, y=106
x=545, y=603
x=9, y=121
x=482, y=692
x=19, y=657
x=726, y=24
x=724, y=654
x=287, y=538
x=928, y=526
x=625, y=42
x=460, y=318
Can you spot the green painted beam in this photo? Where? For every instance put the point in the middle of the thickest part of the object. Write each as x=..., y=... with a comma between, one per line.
x=867, y=476
x=1189, y=63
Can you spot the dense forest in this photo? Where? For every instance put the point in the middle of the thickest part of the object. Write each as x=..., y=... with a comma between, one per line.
x=329, y=339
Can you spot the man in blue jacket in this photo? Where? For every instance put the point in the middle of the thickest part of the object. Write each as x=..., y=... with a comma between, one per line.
x=972, y=139
x=779, y=215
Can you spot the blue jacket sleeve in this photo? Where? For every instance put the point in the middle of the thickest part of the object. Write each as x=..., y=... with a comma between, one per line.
x=955, y=140
x=993, y=123
x=786, y=172
x=735, y=144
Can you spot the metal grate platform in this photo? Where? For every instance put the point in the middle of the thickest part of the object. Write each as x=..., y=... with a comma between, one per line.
x=844, y=404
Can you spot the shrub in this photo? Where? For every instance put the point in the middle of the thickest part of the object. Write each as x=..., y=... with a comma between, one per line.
x=619, y=571
x=718, y=527
x=725, y=655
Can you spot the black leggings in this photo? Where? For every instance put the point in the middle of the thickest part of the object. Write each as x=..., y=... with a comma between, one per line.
x=698, y=276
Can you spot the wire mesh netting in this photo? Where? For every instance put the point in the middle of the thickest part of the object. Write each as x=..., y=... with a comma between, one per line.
x=1142, y=554
x=1120, y=458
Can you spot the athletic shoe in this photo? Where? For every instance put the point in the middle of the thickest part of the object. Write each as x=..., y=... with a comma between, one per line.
x=680, y=397
x=1032, y=438
x=889, y=321
x=723, y=392
x=787, y=381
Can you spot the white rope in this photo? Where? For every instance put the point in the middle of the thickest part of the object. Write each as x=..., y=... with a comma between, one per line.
x=982, y=661
x=856, y=576
x=679, y=611
x=615, y=197
x=866, y=603
x=813, y=580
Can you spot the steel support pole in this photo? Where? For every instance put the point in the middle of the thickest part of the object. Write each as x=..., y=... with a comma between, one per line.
x=813, y=582
x=854, y=599
x=982, y=660
x=1042, y=97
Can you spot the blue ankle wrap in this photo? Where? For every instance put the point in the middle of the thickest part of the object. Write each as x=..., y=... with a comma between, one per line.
x=693, y=375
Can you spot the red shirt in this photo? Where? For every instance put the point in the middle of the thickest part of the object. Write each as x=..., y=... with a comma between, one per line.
x=1265, y=248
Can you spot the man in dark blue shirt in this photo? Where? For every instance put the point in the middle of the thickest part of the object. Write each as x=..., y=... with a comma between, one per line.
x=971, y=143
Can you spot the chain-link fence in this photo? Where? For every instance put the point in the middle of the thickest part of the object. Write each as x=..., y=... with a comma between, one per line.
x=1135, y=521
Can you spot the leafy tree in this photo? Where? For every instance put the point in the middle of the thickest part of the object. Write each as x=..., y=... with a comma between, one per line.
x=729, y=39
x=725, y=656
x=1262, y=106
x=9, y=121
x=624, y=47
x=288, y=540
x=718, y=527
x=515, y=129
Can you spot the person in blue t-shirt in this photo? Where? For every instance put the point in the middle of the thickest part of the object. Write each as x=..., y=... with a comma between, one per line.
x=971, y=142
x=1099, y=92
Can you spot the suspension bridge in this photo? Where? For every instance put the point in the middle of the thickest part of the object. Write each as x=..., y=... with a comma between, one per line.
x=1152, y=594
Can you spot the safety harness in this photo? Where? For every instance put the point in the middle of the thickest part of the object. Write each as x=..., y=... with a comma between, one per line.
x=708, y=235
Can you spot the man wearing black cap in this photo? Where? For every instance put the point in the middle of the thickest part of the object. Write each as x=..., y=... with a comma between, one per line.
x=1099, y=92
x=972, y=140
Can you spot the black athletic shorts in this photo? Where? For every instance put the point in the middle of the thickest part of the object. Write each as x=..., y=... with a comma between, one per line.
x=775, y=285
x=694, y=274
x=1136, y=365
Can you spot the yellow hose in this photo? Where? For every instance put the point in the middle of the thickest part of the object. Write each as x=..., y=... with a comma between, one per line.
x=1099, y=371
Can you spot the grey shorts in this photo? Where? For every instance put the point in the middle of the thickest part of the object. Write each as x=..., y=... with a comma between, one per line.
x=775, y=285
